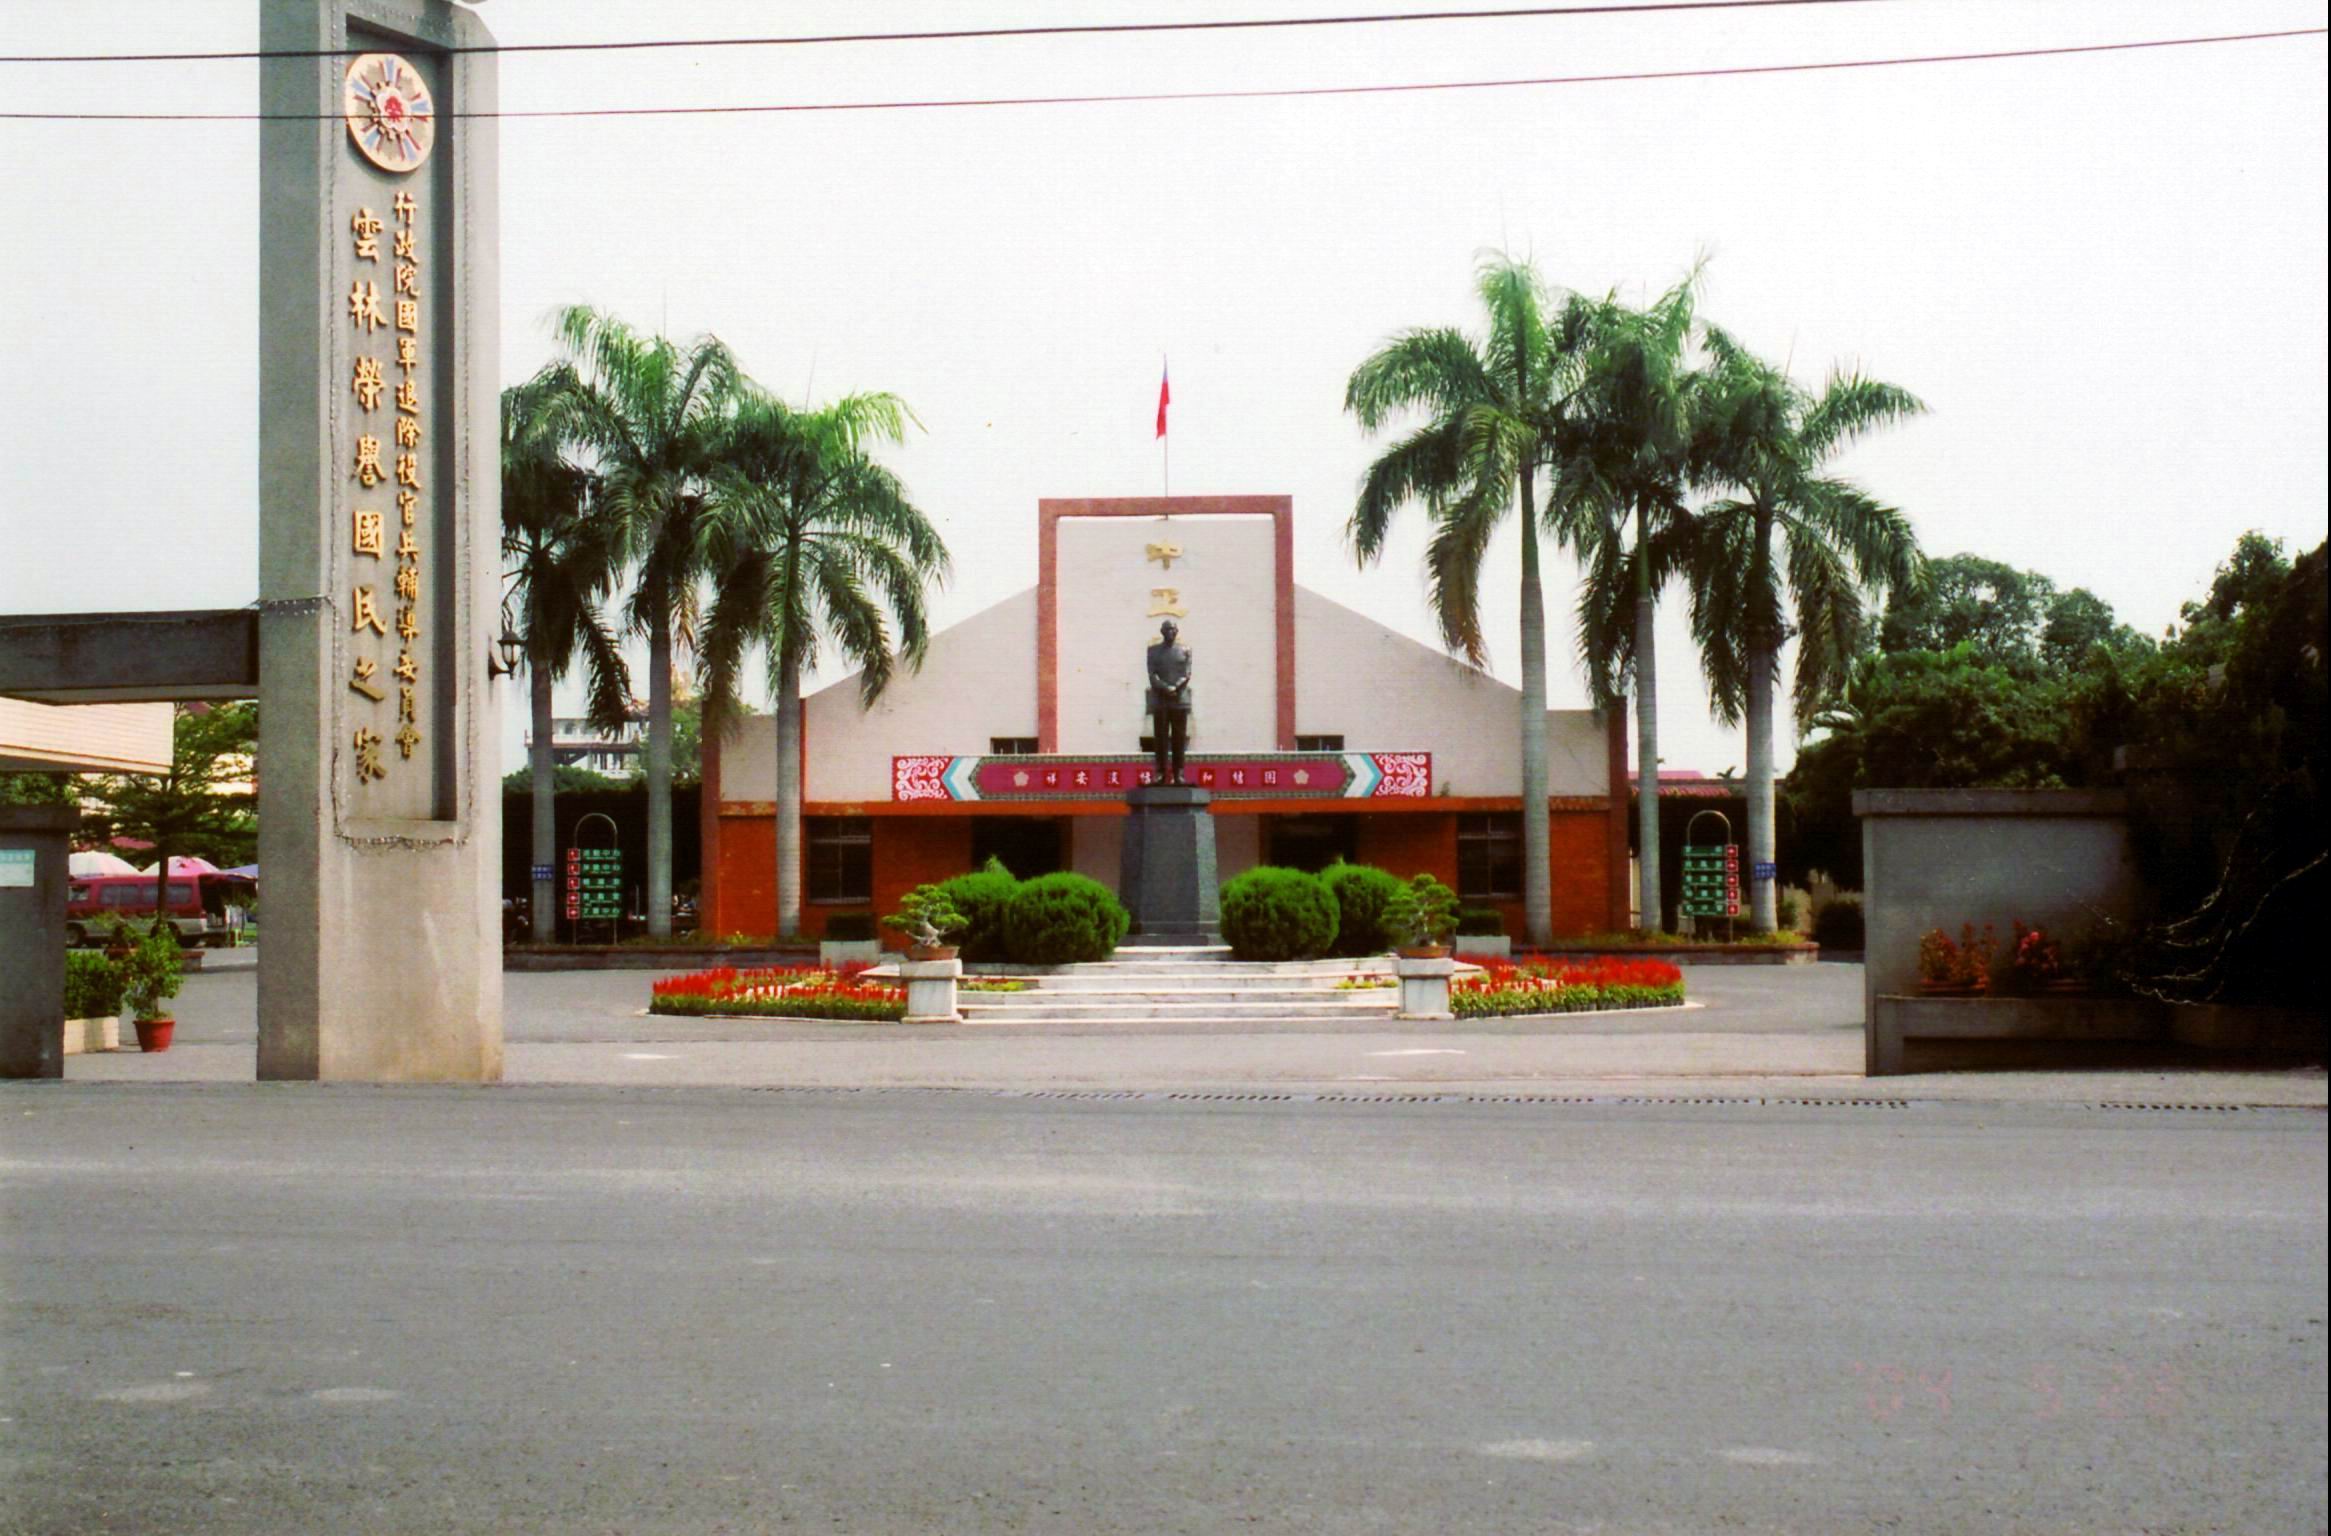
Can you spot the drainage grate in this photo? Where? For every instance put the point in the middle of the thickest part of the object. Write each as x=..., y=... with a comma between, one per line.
x=2183, y=1109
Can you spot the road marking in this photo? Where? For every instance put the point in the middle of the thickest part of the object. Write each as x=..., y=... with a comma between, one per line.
x=644, y=1056
x=1421, y=1051
x=1540, y=1450
x=1766, y=1456
x=354, y=1395
x=157, y=1392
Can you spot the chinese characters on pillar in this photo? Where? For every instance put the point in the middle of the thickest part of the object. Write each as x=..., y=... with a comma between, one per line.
x=1165, y=602
x=386, y=465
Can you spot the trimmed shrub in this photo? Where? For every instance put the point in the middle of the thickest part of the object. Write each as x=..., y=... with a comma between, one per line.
x=1838, y=925
x=1360, y=891
x=1480, y=921
x=981, y=897
x=1060, y=919
x=1270, y=913
x=92, y=985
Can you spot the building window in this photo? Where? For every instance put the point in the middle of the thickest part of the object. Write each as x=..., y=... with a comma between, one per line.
x=1011, y=746
x=839, y=854
x=1311, y=842
x=1489, y=857
x=1319, y=743
x=1028, y=845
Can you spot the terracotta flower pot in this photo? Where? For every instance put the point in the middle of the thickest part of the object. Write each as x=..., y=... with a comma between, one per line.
x=932, y=951
x=1423, y=951
x=154, y=1034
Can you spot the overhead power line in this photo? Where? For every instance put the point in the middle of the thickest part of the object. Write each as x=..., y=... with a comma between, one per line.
x=1261, y=93
x=965, y=34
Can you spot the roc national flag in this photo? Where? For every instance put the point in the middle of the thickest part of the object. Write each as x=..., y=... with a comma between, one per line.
x=1165, y=396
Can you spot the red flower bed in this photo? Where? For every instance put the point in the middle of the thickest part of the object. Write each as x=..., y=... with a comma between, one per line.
x=780, y=991
x=1558, y=986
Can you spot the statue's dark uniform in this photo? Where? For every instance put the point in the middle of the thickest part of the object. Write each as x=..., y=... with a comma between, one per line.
x=1169, y=702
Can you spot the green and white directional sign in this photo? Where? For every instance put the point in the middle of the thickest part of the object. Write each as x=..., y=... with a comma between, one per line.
x=1711, y=879
x=594, y=882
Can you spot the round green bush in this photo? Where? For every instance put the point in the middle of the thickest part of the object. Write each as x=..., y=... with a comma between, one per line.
x=1270, y=913
x=981, y=897
x=1060, y=919
x=1360, y=891
x=1838, y=924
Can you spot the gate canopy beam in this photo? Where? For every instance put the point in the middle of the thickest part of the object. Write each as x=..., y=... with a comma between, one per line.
x=130, y=658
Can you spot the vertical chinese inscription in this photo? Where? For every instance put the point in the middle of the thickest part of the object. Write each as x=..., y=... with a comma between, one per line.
x=387, y=517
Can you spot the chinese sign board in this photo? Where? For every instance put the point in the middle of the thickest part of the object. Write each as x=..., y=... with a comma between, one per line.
x=594, y=883
x=392, y=443
x=1711, y=879
x=16, y=866
x=1271, y=775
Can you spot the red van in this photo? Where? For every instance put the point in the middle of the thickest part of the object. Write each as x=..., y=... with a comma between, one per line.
x=197, y=905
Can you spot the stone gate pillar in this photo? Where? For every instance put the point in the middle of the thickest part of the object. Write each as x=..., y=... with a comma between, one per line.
x=379, y=481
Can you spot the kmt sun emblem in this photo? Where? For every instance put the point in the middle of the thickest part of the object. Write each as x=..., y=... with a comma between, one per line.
x=390, y=115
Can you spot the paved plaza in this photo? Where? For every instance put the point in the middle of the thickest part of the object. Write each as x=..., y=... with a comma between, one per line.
x=1748, y=1029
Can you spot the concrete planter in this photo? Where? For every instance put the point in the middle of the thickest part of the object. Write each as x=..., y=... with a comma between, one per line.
x=2234, y=1027
x=1424, y=987
x=930, y=988
x=1486, y=946
x=1947, y=1023
x=86, y=1035
x=832, y=952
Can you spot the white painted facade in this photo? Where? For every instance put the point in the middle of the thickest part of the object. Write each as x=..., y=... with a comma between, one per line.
x=1116, y=575
x=1377, y=688
x=84, y=738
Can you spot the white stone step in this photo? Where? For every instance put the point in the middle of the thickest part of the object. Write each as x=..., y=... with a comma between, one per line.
x=1018, y=1008
x=1180, y=981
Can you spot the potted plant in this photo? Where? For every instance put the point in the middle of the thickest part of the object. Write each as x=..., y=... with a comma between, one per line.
x=1420, y=917
x=927, y=916
x=92, y=1002
x=2034, y=963
x=1955, y=968
x=151, y=975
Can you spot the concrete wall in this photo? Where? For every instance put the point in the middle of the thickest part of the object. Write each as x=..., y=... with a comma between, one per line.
x=978, y=680
x=1383, y=692
x=2058, y=859
x=1225, y=577
x=32, y=940
x=84, y=738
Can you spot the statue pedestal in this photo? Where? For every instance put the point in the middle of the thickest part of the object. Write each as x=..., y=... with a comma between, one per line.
x=1166, y=876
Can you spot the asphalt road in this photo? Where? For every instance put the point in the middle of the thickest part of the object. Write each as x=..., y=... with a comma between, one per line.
x=275, y=1308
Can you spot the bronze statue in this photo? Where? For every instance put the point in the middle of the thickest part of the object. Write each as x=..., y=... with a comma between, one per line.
x=1169, y=702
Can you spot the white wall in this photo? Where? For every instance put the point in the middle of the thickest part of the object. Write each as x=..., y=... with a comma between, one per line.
x=93, y=738
x=1380, y=690
x=1225, y=578
x=1383, y=692
x=978, y=680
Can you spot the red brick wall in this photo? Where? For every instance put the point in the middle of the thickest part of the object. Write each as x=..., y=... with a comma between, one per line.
x=1577, y=849
x=908, y=851
x=1411, y=844
x=911, y=850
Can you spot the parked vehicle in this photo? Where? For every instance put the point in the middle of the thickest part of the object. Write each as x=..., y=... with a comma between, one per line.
x=198, y=906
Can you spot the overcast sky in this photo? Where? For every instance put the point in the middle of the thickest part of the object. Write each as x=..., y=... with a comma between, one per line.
x=2105, y=273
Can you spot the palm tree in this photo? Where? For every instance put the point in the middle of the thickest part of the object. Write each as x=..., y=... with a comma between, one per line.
x=808, y=536
x=563, y=556
x=1767, y=439
x=650, y=416
x=1496, y=411
x=1630, y=466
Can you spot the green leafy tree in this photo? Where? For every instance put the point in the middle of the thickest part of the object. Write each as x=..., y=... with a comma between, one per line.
x=565, y=779
x=1790, y=539
x=1968, y=600
x=563, y=554
x=650, y=418
x=2076, y=623
x=809, y=538
x=1494, y=417
x=201, y=808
